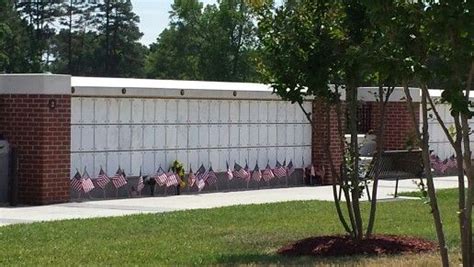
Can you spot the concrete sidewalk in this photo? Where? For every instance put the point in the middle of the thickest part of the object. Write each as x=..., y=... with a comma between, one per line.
x=120, y=207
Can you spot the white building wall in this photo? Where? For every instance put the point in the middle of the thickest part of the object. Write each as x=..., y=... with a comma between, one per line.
x=438, y=141
x=109, y=131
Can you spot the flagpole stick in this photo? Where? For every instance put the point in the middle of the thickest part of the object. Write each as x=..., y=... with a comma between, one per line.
x=304, y=174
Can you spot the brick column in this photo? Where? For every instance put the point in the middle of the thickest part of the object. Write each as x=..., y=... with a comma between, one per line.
x=398, y=123
x=35, y=114
x=322, y=135
x=398, y=127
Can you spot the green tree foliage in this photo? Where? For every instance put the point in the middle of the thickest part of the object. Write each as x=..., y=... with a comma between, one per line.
x=216, y=42
x=15, y=42
x=119, y=53
x=307, y=46
x=40, y=16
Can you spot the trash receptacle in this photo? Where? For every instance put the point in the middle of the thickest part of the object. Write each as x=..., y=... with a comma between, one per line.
x=4, y=170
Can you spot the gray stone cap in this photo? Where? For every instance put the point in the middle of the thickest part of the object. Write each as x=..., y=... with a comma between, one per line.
x=35, y=83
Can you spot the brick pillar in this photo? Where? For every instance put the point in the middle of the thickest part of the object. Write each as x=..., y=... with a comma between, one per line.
x=398, y=127
x=40, y=133
x=321, y=135
x=398, y=123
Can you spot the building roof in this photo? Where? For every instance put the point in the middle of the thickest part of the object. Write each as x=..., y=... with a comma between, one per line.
x=78, y=81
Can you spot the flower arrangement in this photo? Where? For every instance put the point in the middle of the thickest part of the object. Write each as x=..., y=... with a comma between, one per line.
x=178, y=168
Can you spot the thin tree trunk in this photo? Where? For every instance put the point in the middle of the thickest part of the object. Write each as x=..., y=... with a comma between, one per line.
x=423, y=137
x=354, y=153
x=333, y=172
x=380, y=148
x=469, y=173
x=343, y=181
x=457, y=146
x=467, y=233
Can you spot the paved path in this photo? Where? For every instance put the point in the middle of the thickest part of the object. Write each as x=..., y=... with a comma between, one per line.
x=119, y=207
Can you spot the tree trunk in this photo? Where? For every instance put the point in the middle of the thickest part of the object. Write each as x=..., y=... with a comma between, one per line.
x=457, y=146
x=331, y=163
x=354, y=154
x=423, y=137
x=383, y=99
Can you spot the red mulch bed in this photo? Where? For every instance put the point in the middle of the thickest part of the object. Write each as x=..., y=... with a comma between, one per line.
x=337, y=246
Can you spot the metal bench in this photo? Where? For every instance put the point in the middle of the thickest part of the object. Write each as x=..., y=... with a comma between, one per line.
x=393, y=164
x=397, y=164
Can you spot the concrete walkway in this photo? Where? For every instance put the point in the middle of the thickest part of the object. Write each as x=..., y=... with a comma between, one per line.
x=120, y=207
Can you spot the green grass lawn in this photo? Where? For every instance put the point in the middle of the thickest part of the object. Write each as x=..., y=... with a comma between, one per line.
x=231, y=235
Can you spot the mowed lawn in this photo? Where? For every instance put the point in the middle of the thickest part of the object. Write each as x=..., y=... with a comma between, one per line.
x=231, y=235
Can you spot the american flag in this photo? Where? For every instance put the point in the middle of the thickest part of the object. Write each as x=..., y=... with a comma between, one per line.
x=279, y=170
x=160, y=177
x=87, y=184
x=119, y=179
x=191, y=177
x=76, y=182
x=256, y=173
x=229, y=173
x=452, y=163
x=240, y=172
x=102, y=180
x=247, y=169
x=211, y=177
x=201, y=176
x=267, y=174
x=290, y=169
x=140, y=184
x=172, y=179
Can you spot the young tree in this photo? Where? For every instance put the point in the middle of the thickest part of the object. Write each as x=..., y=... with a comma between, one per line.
x=309, y=45
x=448, y=33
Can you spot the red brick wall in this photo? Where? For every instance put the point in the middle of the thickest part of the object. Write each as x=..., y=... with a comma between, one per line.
x=42, y=137
x=398, y=126
x=398, y=123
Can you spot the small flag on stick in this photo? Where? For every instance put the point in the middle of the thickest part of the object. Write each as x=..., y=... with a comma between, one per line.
x=119, y=179
x=160, y=177
x=191, y=177
x=140, y=184
x=102, y=180
x=240, y=172
x=211, y=177
x=290, y=169
x=76, y=182
x=229, y=173
x=256, y=173
x=279, y=170
x=172, y=179
x=87, y=184
x=267, y=174
x=201, y=176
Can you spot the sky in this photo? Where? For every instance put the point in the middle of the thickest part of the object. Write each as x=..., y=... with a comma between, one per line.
x=154, y=17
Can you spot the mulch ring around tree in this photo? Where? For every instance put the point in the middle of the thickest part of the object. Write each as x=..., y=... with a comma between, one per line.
x=338, y=246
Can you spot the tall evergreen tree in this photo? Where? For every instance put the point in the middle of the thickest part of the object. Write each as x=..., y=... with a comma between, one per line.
x=40, y=16
x=15, y=42
x=120, y=53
